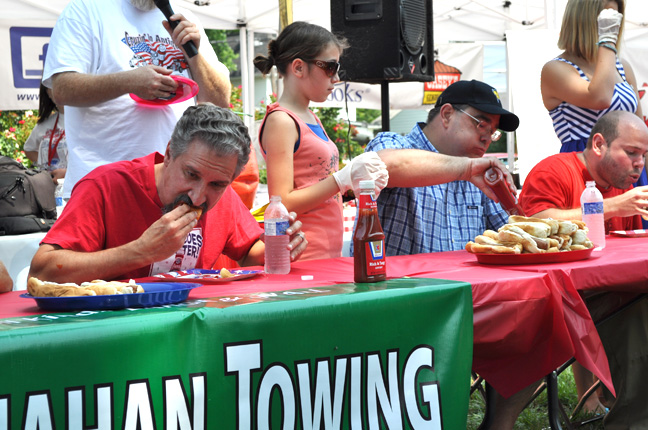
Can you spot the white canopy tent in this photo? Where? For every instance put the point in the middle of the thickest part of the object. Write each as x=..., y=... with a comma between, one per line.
x=454, y=20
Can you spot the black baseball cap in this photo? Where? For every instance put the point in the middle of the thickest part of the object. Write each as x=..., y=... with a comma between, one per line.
x=482, y=97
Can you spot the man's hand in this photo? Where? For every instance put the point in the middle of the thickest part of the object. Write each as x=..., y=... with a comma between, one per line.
x=152, y=82
x=476, y=169
x=632, y=202
x=167, y=235
x=298, y=242
x=184, y=32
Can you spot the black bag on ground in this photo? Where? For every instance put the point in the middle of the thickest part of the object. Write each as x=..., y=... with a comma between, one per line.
x=11, y=225
x=25, y=193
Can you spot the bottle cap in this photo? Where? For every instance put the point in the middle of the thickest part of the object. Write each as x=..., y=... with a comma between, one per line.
x=590, y=183
x=367, y=184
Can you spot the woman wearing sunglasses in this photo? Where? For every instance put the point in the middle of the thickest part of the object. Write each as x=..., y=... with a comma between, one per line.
x=302, y=162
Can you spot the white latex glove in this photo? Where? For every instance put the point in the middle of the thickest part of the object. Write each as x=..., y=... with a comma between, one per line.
x=609, y=23
x=366, y=166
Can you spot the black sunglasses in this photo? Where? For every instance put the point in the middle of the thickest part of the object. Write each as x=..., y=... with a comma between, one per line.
x=330, y=67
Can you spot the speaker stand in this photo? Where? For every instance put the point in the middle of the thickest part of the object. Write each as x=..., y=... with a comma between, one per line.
x=384, y=104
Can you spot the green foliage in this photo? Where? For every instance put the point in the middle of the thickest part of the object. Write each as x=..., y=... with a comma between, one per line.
x=340, y=132
x=367, y=115
x=236, y=103
x=15, y=127
x=500, y=145
x=225, y=53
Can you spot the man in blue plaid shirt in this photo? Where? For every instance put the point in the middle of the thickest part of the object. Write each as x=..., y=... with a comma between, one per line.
x=419, y=216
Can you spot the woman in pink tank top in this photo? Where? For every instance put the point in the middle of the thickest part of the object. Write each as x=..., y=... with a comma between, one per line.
x=302, y=162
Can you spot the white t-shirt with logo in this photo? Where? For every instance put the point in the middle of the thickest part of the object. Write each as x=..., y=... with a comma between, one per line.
x=99, y=37
x=45, y=134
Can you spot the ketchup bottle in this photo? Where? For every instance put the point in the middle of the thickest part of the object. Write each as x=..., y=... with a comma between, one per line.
x=495, y=179
x=368, y=239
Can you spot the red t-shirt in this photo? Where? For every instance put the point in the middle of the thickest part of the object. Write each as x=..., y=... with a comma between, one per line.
x=114, y=204
x=558, y=182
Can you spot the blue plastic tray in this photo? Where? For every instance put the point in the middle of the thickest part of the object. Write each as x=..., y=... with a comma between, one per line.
x=155, y=294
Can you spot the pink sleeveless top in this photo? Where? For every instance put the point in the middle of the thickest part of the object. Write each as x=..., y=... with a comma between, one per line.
x=314, y=160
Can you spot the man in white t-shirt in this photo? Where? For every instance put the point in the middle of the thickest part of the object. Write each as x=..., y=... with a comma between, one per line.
x=103, y=50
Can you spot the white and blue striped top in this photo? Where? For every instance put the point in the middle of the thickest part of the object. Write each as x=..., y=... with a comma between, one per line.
x=573, y=124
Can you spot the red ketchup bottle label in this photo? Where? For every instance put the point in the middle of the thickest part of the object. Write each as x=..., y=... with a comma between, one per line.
x=375, y=257
x=509, y=202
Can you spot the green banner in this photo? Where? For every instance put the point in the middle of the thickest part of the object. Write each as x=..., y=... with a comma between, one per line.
x=395, y=354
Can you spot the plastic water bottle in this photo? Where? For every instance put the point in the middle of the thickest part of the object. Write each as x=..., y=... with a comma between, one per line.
x=592, y=207
x=58, y=196
x=275, y=222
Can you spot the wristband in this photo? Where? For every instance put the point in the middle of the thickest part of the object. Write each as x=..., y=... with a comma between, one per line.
x=609, y=46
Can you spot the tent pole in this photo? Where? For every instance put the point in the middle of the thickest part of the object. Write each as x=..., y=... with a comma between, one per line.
x=510, y=136
x=251, y=94
x=244, y=72
x=384, y=104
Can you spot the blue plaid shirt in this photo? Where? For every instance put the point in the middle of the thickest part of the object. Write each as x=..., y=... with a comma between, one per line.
x=435, y=218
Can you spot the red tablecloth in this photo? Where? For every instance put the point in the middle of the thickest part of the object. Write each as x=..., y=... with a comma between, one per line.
x=528, y=319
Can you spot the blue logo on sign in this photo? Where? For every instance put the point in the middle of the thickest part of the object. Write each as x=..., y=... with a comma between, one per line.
x=24, y=73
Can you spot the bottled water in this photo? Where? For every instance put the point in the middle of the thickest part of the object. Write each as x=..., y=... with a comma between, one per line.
x=592, y=207
x=275, y=222
x=58, y=196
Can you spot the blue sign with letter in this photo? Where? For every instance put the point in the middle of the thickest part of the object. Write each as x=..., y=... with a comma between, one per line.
x=25, y=75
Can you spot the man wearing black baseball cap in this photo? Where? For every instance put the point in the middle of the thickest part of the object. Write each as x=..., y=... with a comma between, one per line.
x=482, y=97
x=417, y=214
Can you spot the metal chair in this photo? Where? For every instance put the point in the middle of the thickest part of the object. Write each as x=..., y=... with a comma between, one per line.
x=555, y=409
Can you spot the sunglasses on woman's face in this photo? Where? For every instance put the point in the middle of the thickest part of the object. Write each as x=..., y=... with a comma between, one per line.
x=330, y=67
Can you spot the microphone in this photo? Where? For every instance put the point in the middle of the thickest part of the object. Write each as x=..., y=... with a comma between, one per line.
x=165, y=7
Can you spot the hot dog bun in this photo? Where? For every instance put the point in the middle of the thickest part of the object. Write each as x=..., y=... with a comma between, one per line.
x=38, y=288
x=197, y=209
x=532, y=235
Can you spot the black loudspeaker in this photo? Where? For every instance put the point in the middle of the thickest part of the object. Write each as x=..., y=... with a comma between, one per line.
x=390, y=40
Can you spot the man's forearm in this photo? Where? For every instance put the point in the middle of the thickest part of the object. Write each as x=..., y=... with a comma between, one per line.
x=63, y=265
x=255, y=256
x=82, y=90
x=214, y=86
x=559, y=214
x=611, y=208
x=418, y=168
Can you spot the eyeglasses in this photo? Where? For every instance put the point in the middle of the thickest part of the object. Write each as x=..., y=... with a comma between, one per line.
x=330, y=67
x=484, y=127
